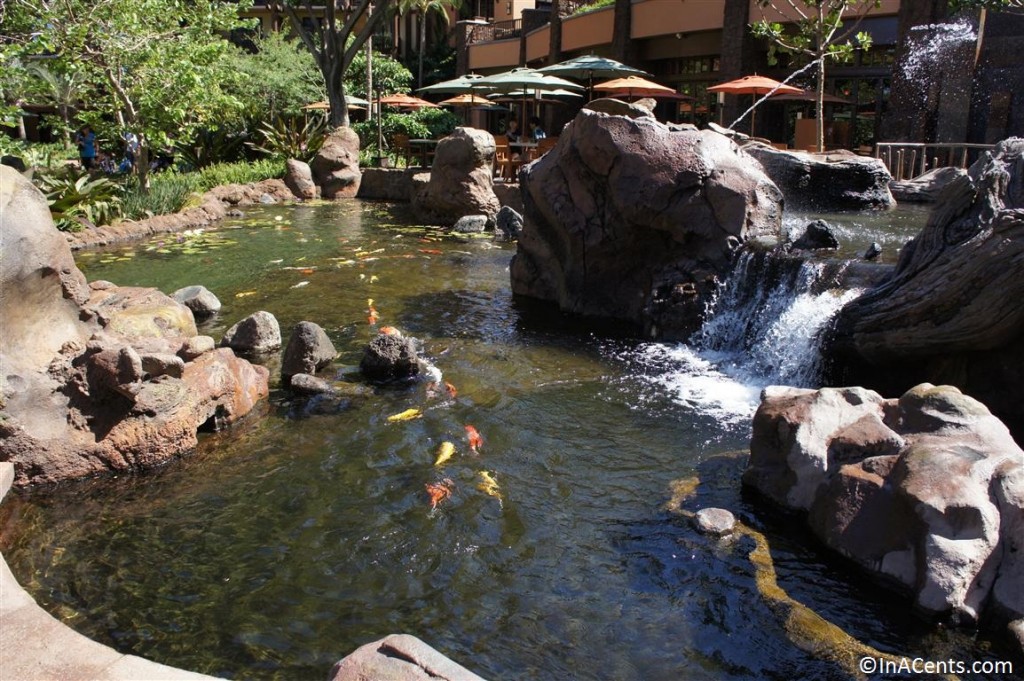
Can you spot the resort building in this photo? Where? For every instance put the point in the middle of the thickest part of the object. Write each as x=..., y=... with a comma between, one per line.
x=971, y=89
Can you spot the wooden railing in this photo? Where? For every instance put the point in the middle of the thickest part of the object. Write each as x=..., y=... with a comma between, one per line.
x=498, y=30
x=907, y=160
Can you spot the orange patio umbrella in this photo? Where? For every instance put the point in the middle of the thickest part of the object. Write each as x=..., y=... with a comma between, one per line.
x=466, y=100
x=755, y=85
x=404, y=101
x=635, y=86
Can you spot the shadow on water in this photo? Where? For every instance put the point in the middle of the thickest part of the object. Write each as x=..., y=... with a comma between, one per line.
x=284, y=544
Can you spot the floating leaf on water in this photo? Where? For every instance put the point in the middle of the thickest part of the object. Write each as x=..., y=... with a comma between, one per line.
x=277, y=262
x=406, y=415
x=374, y=279
x=243, y=294
x=165, y=251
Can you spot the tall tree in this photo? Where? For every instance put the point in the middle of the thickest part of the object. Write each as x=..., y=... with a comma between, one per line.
x=622, y=32
x=423, y=8
x=821, y=30
x=335, y=34
x=555, y=44
x=154, y=66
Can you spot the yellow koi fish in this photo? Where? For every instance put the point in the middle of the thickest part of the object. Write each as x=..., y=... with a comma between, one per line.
x=444, y=452
x=406, y=415
x=488, y=485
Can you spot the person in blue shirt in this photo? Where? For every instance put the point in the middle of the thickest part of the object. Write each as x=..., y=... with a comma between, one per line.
x=536, y=132
x=86, y=141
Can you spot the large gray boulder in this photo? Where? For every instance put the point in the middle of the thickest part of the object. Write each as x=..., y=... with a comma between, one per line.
x=832, y=181
x=952, y=311
x=298, y=177
x=199, y=299
x=309, y=350
x=461, y=179
x=336, y=166
x=926, y=188
x=926, y=490
x=92, y=378
x=633, y=220
x=399, y=657
x=257, y=334
x=390, y=357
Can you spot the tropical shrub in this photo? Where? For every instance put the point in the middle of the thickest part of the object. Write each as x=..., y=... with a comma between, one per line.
x=219, y=145
x=74, y=198
x=292, y=137
x=238, y=173
x=391, y=124
x=440, y=122
x=168, y=193
x=590, y=7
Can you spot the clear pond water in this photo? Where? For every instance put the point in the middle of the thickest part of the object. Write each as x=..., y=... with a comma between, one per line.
x=285, y=543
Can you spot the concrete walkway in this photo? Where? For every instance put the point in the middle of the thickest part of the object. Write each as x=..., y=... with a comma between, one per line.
x=34, y=645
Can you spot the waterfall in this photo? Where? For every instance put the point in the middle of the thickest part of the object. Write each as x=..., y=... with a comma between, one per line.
x=761, y=329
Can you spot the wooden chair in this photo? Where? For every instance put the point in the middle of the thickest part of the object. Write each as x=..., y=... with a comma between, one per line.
x=401, y=147
x=544, y=145
x=502, y=157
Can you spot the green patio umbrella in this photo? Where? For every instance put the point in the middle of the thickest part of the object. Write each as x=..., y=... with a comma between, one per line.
x=463, y=85
x=591, y=66
x=527, y=82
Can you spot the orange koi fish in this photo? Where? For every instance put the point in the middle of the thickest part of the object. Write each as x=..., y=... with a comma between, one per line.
x=452, y=392
x=373, y=316
x=475, y=441
x=439, y=491
x=389, y=331
x=431, y=251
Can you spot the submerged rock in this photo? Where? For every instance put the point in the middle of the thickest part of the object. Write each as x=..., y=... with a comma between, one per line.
x=715, y=521
x=632, y=220
x=926, y=490
x=472, y=224
x=817, y=235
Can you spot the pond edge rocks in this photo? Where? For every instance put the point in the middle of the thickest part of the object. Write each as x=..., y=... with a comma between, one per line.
x=925, y=491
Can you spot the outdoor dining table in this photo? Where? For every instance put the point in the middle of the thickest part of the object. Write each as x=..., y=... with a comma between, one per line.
x=423, y=148
x=523, y=148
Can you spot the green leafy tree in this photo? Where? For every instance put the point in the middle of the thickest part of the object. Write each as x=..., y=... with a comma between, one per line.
x=335, y=34
x=824, y=30
x=63, y=89
x=279, y=78
x=156, y=67
x=423, y=9
x=389, y=75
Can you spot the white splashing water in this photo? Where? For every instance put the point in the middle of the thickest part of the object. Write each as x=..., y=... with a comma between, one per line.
x=762, y=330
x=931, y=47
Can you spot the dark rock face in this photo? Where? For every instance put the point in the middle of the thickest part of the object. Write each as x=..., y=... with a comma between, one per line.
x=98, y=378
x=299, y=178
x=390, y=357
x=509, y=223
x=953, y=309
x=817, y=235
x=632, y=220
x=199, y=299
x=461, y=179
x=926, y=188
x=309, y=350
x=834, y=181
x=336, y=166
x=926, y=490
x=256, y=334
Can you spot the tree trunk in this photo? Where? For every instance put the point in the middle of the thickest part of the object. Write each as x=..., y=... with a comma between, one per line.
x=339, y=107
x=423, y=44
x=820, y=105
x=555, y=46
x=142, y=164
x=622, y=41
x=66, y=133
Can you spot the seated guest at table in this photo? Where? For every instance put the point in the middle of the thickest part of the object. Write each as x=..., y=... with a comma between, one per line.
x=512, y=131
x=536, y=132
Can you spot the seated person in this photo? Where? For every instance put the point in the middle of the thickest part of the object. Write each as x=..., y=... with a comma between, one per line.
x=536, y=132
x=512, y=131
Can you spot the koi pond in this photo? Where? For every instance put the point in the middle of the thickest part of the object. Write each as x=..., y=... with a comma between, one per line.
x=282, y=545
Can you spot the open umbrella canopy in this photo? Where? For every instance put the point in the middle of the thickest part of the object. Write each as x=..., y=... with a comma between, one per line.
x=519, y=94
x=466, y=100
x=755, y=85
x=591, y=66
x=405, y=101
x=526, y=79
x=350, y=100
x=635, y=86
x=809, y=96
x=466, y=84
